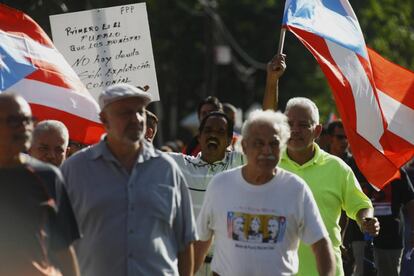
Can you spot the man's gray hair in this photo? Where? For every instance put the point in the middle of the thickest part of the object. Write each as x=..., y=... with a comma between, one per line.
x=275, y=119
x=55, y=125
x=304, y=103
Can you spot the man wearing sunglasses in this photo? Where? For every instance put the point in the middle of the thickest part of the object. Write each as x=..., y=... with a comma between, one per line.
x=338, y=141
x=388, y=203
x=37, y=223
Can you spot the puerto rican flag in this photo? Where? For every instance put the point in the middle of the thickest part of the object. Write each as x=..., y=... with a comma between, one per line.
x=374, y=97
x=32, y=67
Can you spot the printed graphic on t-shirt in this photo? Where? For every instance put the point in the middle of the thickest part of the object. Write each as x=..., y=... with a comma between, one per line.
x=255, y=228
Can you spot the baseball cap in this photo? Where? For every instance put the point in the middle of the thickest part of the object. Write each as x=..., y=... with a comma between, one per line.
x=121, y=91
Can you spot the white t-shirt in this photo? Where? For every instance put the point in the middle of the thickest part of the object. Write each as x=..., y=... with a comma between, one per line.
x=257, y=228
x=198, y=173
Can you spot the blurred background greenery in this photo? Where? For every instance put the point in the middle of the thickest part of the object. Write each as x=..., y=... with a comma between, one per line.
x=188, y=35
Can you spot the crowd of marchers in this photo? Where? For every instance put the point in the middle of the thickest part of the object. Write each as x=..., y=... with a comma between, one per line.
x=282, y=197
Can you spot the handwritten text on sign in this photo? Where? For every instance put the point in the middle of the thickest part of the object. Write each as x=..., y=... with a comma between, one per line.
x=108, y=46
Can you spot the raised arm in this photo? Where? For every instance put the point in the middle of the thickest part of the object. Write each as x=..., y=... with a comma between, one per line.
x=275, y=69
x=325, y=260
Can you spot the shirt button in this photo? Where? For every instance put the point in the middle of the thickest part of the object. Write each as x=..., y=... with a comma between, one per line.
x=132, y=208
x=130, y=255
x=131, y=231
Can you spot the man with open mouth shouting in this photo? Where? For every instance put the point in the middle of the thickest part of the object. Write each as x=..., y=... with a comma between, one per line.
x=215, y=134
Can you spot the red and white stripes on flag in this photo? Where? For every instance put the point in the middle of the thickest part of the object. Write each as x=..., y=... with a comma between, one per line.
x=372, y=95
x=53, y=89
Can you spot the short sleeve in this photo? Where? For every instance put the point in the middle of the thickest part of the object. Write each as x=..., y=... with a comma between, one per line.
x=354, y=198
x=184, y=222
x=313, y=228
x=65, y=230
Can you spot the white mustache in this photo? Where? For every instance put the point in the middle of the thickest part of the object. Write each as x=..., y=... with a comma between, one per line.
x=266, y=157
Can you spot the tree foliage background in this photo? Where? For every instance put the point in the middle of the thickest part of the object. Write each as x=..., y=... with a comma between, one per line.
x=185, y=33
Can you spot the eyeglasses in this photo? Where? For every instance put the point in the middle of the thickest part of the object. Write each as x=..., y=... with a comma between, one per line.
x=340, y=137
x=15, y=121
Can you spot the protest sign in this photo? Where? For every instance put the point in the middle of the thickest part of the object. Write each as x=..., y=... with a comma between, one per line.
x=108, y=46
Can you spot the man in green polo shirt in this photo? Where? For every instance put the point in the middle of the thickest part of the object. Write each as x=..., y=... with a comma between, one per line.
x=331, y=181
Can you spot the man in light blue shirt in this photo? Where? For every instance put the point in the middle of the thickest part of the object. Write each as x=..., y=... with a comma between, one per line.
x=131, y=201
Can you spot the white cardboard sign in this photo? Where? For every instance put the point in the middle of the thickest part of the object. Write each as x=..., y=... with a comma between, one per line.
x=108, y=46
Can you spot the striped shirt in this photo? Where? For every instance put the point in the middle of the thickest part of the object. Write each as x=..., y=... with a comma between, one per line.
x=198, y=172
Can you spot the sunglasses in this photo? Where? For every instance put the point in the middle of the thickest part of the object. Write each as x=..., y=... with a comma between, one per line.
x=14, y=121
x=74, y=144
x=340, y=137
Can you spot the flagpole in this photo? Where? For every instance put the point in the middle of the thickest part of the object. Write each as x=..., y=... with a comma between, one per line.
x=279, y=52
x=271, y=95
x=281, y=40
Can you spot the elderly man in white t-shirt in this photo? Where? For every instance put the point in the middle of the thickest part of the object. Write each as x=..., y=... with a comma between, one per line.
x=260, y=191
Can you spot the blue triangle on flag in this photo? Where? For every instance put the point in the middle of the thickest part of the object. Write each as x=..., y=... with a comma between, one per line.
x=14, y=66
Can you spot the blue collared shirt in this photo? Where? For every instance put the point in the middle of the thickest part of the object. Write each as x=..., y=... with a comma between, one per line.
x=132, y=224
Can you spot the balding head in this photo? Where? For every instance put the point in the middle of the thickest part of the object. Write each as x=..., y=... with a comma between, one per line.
x=14, y=100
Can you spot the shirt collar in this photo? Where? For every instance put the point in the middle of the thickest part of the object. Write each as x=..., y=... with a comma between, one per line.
x=316, y=159
x=147, y=152
x=224, y=160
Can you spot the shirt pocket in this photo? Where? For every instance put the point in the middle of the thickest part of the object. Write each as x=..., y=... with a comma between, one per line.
x=162, y=198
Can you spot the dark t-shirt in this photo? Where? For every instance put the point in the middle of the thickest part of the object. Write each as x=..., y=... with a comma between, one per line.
x=36, y=217
x=387, y=203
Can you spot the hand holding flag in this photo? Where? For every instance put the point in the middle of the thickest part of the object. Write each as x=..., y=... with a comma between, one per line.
x=275, y=69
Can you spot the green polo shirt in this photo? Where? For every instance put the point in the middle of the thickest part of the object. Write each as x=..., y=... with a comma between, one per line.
x=335, y=188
